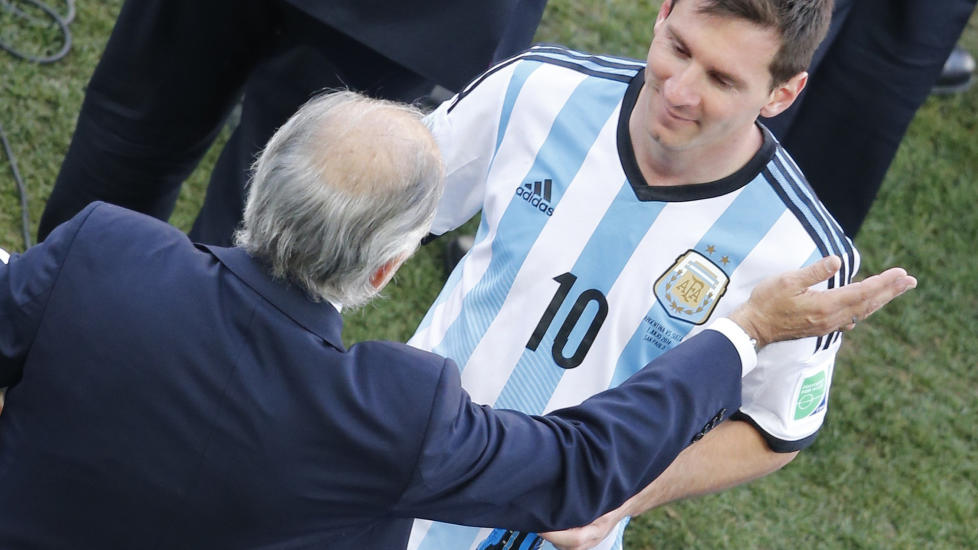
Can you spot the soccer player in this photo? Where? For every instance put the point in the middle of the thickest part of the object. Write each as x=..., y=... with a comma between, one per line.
x=625, y=205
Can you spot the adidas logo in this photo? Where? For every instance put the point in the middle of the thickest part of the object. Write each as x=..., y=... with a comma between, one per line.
x=537, y=193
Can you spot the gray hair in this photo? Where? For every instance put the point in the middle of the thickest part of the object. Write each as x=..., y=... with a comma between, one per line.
x=347, y=185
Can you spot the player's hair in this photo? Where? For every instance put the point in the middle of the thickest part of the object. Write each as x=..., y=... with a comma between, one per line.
x=348, y=184
x=801, y=25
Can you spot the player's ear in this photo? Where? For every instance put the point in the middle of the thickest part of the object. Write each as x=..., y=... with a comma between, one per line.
x=664, y=12
x=784, y=94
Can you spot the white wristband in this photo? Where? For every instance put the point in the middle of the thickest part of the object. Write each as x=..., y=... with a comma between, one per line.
x=740, y=340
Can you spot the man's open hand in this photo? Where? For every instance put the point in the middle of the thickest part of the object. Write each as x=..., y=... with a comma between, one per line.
x=785, y=307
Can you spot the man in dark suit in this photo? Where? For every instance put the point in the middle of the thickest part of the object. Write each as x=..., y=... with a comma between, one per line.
x=877, y=65
x=170, y=395
x=173, y=70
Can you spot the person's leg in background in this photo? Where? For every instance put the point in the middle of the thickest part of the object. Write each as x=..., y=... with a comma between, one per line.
x=861, y=98
x=307, y=57
x=780, y=124
x=171, y=72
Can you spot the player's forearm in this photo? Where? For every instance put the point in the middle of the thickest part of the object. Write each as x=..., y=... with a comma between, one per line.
x=731, y=454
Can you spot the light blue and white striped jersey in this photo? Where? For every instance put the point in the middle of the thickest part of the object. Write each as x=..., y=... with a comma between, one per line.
x=581, y=273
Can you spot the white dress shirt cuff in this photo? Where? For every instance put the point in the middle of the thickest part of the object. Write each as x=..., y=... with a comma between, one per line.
x=740, y=340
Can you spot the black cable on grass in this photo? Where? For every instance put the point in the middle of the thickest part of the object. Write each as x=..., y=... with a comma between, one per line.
x=25, y=224
x=62, y=23
x=67, y=18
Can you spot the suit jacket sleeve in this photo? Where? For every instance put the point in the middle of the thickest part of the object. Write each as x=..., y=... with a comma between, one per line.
x=485, y=467
x=26, y=283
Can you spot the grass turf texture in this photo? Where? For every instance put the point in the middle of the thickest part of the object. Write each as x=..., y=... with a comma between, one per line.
x=893, y=466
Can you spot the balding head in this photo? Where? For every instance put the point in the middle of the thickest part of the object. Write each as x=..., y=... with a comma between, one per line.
x=346, y=186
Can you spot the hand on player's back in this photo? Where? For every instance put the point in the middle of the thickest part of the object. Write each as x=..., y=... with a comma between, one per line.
x=785, y=307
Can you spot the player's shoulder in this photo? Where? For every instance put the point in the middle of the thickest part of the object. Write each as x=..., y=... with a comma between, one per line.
x=597, y=65
x=557, y=59
x=815, y=221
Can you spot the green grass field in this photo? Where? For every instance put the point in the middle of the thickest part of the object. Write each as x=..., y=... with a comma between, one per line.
x=893, y=466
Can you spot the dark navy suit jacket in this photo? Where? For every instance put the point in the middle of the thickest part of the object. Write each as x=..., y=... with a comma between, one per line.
x=167, y=395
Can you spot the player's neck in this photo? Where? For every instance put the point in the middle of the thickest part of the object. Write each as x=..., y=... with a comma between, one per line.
x=662, y=166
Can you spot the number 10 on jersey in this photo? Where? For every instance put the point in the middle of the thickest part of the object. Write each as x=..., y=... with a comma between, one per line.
x=566, y=282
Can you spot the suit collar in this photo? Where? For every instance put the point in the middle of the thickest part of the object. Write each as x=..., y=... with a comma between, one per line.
x=320, y=318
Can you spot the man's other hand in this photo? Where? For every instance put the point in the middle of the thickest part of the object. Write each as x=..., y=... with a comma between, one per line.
x=588, y=536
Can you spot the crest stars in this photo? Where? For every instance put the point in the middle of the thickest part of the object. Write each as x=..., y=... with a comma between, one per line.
x=710, y=249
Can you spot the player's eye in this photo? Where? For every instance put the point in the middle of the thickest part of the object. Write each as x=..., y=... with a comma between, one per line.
x=721, y=81
x=679, y=49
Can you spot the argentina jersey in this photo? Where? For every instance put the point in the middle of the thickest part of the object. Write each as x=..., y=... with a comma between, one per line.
x=581, y=273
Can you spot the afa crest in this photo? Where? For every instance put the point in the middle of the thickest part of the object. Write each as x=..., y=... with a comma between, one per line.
x=691, y=288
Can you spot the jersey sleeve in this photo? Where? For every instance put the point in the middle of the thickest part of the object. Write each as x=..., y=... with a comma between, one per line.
x=466, y=128
x=785, y=397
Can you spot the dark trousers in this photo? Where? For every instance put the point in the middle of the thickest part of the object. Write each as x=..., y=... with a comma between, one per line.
x=869, y=77
x=171, y=73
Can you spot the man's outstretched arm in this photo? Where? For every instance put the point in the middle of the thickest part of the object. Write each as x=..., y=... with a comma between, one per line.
x=780, y=308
